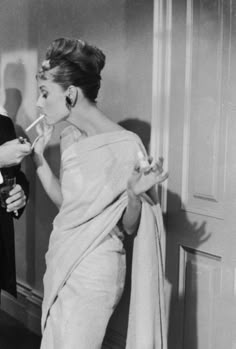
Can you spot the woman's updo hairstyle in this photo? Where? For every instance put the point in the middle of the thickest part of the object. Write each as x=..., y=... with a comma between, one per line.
x=76, y=63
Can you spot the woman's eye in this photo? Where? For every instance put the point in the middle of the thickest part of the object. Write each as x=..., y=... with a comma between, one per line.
x=44, y=94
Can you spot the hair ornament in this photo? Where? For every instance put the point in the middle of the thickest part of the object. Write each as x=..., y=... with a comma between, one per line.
x=81, y=42
x=46, y=64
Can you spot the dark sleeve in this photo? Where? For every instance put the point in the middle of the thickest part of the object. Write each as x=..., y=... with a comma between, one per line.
x=7, y=133
x=24, y=183
x=7, y=130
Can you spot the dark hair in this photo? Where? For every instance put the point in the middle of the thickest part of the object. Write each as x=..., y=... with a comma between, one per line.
x=76, y=63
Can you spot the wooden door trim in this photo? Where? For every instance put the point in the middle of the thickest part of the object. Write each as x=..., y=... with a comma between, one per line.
x=161, y=77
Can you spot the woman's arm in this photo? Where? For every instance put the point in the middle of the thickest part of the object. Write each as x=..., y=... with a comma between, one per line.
x=131, y=216
x=49, y=181
x=141, y=181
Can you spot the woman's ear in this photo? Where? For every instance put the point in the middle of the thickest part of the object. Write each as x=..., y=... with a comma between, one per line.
x=72, y=94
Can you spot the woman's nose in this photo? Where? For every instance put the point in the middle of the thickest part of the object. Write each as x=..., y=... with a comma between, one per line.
x=39, y=103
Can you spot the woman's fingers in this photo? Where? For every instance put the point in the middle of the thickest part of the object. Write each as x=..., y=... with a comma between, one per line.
x=39, y=129
x=44, y=132
x=161, y=178
x=147, y=170
x=46, y=126
x=47, y=130
x=43, y=128
x=157, y=167
x=35, y=141
x=156, y=176
x=154, y=167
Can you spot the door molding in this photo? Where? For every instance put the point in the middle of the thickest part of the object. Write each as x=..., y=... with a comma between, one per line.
x=161, y=78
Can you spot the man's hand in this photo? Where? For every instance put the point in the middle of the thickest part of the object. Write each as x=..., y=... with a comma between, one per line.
x=16, y=199
x=13, y=152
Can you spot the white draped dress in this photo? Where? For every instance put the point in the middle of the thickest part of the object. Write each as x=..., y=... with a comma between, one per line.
x=85, y=261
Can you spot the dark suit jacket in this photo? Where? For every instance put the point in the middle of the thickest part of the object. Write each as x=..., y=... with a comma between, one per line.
x=7, y=243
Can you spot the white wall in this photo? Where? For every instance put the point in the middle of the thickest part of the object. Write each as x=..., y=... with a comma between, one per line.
x=123, y=30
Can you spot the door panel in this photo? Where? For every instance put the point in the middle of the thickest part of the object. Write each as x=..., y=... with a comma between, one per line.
x=197, y=126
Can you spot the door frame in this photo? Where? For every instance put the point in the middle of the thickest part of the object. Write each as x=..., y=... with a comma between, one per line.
x=161, y=79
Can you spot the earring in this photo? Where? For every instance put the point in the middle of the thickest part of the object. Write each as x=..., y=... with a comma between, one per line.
x=69, y=102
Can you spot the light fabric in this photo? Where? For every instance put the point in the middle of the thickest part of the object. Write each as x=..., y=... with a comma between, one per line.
x=147, y=321
x=94, y=174
x=79, y=316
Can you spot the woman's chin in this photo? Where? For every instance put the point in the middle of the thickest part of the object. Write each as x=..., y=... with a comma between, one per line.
x=49, y=121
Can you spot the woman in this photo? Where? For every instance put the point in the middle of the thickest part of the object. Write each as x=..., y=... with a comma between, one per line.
x=98, y=197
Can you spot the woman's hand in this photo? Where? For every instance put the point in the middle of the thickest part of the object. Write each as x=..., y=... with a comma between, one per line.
x=16, y=199
x=144, y=178
x=44, y=135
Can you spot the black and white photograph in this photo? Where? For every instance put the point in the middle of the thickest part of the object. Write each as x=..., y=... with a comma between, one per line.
x=117, y=174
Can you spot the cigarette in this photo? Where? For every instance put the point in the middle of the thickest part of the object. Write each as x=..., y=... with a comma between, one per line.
x=35, y=122
x=143, y=162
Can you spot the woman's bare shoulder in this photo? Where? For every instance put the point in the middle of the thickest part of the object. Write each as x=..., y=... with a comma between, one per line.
x=70, y=135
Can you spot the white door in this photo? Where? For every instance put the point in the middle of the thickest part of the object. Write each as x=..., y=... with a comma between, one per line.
x=194, y=129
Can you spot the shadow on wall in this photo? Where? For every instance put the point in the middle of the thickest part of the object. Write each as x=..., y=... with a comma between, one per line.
x=117, y=327
x=182, y=309
x=36, y=219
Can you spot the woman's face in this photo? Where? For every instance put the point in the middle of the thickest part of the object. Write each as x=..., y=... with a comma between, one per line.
x=52, y=102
